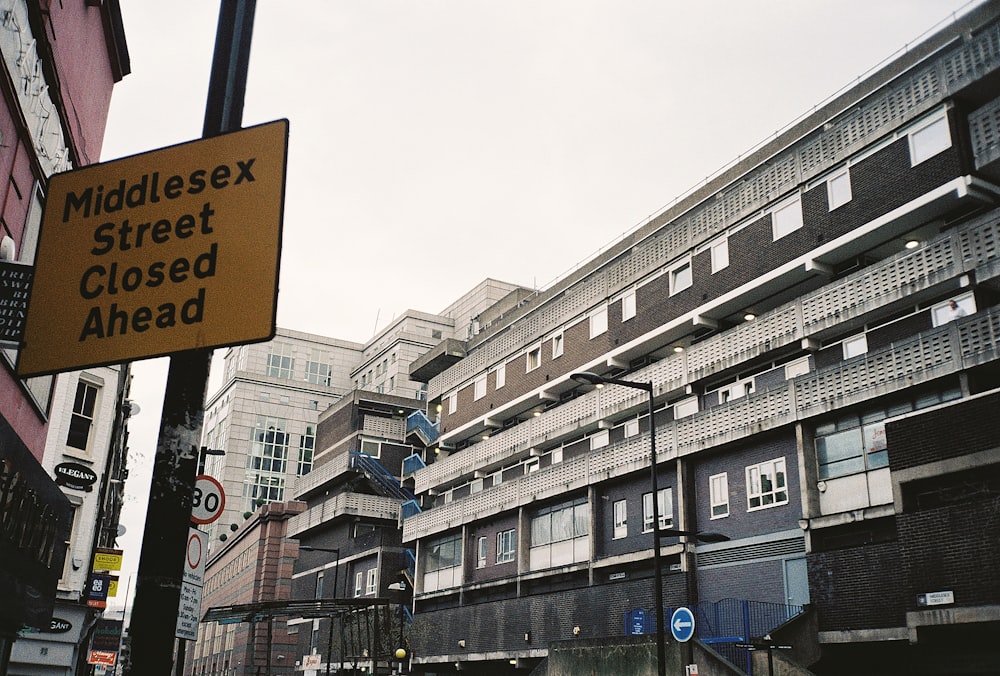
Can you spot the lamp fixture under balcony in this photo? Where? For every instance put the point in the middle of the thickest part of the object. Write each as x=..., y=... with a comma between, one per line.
x=912, y=244
x=749, y=317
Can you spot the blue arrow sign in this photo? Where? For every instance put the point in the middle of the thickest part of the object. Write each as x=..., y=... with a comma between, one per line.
x=682, y=624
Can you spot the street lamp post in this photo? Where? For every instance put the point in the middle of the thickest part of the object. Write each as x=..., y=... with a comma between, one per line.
x=336, y=569
x=647, y=387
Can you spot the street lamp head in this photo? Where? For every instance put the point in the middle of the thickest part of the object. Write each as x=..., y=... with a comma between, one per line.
x=588, y=377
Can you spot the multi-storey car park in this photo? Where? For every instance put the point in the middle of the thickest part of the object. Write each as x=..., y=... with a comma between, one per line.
x=818, y=401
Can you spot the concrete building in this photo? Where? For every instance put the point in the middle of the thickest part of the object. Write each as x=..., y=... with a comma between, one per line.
x=54, y=108
x=818, y=325
x=264, y=417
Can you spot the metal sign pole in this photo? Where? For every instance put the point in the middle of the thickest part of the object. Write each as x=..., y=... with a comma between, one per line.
x=161, y=561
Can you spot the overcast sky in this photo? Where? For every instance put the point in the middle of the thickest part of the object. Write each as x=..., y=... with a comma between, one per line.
x=434, y=143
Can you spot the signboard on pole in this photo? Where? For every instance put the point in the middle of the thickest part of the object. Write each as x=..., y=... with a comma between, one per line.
x=208, y=499
x=171, y=250
x=682, y=624
x=189, y=609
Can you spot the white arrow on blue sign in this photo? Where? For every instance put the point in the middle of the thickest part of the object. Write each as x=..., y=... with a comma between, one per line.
x=682, y=624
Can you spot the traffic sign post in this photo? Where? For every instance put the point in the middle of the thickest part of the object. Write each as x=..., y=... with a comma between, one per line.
x=682, y=624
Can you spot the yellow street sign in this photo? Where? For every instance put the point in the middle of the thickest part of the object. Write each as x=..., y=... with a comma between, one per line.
x=171, y=250
x=107, y=559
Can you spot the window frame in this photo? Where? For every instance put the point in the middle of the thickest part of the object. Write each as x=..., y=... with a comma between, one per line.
x=598, y=322
x=919, y=154
x=83, y=414
x=681, y=407
x=675, y=282
x=533, y=358
x=835, y=197
x=941, y=315
x=718, y=491
x=500, y=376
x=619, y=516
x=558, y=345
x=665, y=506
x=783, y=208
x=600, y=439
x=859, y=339
x=756, y=489
x=506, y=546
x=481, y=546
x=371, y=582
x=629, y=305
x=718, y=263
x=479, y=388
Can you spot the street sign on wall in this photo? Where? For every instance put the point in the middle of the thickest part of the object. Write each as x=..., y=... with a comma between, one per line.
x=167, y=251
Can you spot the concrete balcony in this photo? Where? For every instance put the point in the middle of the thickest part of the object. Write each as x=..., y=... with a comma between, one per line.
x=930, y=355
x=320, y=475
x=344, y=505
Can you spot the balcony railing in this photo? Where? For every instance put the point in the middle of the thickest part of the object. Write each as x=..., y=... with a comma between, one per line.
x=952, y=254
x=321, y=474
x=945, y=350
x=341, y=505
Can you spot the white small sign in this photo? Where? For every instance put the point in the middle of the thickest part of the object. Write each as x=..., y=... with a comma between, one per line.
x=941, y=598
x=188, y=612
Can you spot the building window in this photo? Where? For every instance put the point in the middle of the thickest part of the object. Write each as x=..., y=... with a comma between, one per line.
x=599, y=322
x=266, y=463
x=685, y=407
x=786, y=218
x=929, y=140
x=443, y=564
x=452, y=402
x=318, y=592
x=506, y=546
x=560, y=535
x=799, y=367
x=600, y=440
x=371, y=447
x=534, y=358
x=718, y=489
x=370, y=585
x=359, y=580
x=766, y=484
x=556, y=455
x=855, y=346
x=680, y=277
x=720, y=255
x=838, y=189
x=307, y=446
x=82, y=419
x=557, y=345
x=280, y=363
x=501, y=376
x=631, y=428
x=318, y=373
x=665, y=506
x=620, y=509
x=850, y=451
x=481, y=553
x=737, y=390
x=953, y=308
x=479, y=388
x=628, y=305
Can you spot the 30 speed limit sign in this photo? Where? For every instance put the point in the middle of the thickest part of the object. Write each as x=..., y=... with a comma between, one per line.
x=208, y=499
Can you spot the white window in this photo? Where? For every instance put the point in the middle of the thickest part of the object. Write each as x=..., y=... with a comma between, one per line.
x=664, y=505
x=476, y=486
x=556, y=455
x=481, y=553
x=560, y=535
x=599, y=322
x=680, y=277
x=631, y=428
x=685, y=407
x=766, y=485
x=786, y=218
x=621, y=519
x=479, y=387
x=370, y=586
x=628, y=305
x=359, y=580
x=506, y=546
x=501, y=374
x=281, y=362
x=531, y=466
x=534, y=359
x=838, y=189
x=452, y=402
x=718, y=489
x=82, y=419
x=855, y=346
x=557, y=345
x=929, y=140
x=796, y=368
x=737, y=390
x=953, y=308
x=720, y=255
x=600, y=440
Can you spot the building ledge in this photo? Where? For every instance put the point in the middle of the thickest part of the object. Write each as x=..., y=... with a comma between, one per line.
x=949, y=616
x=438, y=359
